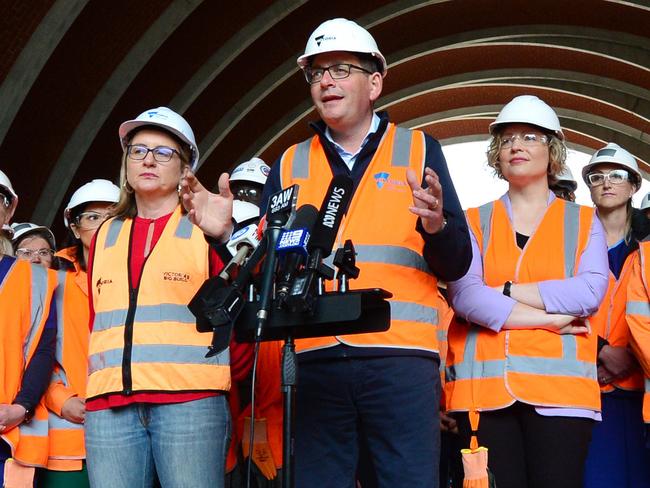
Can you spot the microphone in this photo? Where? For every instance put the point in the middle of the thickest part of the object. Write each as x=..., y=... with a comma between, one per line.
x=240, y=245
x=292, y=249
x=280, y=213
x=335, y=205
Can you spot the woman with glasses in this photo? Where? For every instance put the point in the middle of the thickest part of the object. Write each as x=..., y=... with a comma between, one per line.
x=34, y=243
x=8, y=203
x=27, y=342
x=155, y=402
x=520, y=354
x=88, y=208
x=617, y=453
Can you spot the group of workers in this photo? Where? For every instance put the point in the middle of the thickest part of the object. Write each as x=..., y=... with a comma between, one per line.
x=538, y=309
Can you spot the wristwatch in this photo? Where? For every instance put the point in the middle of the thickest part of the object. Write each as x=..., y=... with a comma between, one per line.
x=506, y=288
x=29, y=412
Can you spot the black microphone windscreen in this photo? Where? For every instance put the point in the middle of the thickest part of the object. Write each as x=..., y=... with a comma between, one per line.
x=335, y=204
x=305, y=218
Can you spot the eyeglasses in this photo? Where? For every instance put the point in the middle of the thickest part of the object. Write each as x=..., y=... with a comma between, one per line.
x=247, y=193
x=527, y=140
x=336, y=71
x=615, y=177
x=162, y=154
x=90, y=220
x=25, y=253
x=6, y=200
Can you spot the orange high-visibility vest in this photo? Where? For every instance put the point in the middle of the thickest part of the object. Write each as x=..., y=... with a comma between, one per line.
x=446, y=315
x=609, y=322
x=638, y=316
x=389, y=249
x=162, y=352
x=67, y=447
x=488, y=370
x=25, y=299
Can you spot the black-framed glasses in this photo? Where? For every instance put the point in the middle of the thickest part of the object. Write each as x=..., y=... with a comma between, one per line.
x=6, y=200
x=24, y=253
x=91, y=220
x=530, y=139
x=336, y=71
x=162, y=154
x=615, y=177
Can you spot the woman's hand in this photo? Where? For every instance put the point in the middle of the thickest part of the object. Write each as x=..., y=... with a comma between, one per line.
x=567, y=324
x=74, y=410
x=211, y=212
x=427, y=204
x=10, y=416
x=617, y=360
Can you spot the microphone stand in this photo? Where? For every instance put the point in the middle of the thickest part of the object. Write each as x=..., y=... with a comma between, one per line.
x=289, y=377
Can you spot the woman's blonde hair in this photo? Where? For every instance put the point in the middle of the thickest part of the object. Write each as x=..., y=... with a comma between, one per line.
x=6, y=248
x=556, y=154
x=126, y=206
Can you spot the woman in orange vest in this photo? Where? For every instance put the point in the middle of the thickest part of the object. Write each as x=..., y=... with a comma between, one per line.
x=154, y=401
x=637, y=314
x=89, y=206
x=617, y=453
x=520, y=353
x=27, y=341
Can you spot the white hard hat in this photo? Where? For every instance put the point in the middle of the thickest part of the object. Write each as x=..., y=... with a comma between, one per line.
x=21, y=229
x=244, y=211
x=167, y=119
x=645, y=203
x=528, y=109
x=341, y=35
x=566, y=177
x=613, y=154
x=95, y=191
x=254, y=170
x=4, y=182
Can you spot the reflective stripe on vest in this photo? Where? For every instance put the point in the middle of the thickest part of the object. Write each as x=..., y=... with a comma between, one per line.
x=165, y=312
x=39, y=291
x=157, y=353
x=638, y=308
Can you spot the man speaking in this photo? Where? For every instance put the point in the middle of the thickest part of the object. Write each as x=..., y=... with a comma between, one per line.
x=384, y=387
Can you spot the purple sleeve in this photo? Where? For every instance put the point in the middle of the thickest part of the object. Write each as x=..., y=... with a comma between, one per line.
x=476, y=302
x=582, y=294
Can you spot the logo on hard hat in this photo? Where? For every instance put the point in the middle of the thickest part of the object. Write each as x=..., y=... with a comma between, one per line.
x=322, y=38
x=101, y=282
x=265, y=170
x=153, y=113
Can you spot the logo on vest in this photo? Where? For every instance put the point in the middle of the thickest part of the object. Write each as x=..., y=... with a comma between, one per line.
x=100, y=283
x=175, y=276
x=384, y=181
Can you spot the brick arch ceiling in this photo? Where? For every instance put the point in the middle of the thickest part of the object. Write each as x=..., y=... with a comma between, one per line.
x=72, y=70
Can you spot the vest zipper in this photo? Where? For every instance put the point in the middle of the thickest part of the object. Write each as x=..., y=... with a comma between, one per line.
x=127, y=380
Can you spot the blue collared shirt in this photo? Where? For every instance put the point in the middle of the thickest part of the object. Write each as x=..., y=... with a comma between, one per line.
x=349, y=158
